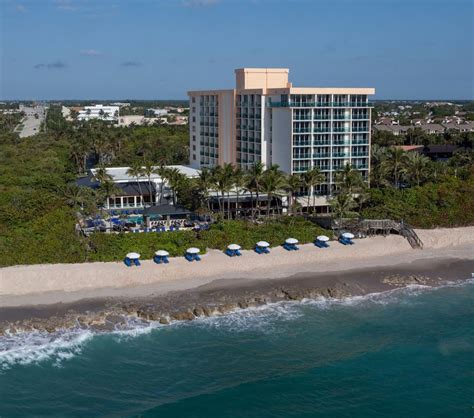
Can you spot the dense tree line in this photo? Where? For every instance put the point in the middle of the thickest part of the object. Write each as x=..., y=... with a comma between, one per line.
x=38, y=205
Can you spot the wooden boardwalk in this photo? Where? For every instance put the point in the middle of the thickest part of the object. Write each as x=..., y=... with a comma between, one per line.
x=368, y=227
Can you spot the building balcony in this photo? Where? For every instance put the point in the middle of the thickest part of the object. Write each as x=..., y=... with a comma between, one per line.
x=360, y=166
x=322, y=155
x=301, y=169
x=360, y=129
x=360, y=154
x=322, y=117
x=340, y=154
x=359, y=117
x=336, y=142
x=322, y=130
x=360, y=142
x=302, y=157
x=341, y=129
x=341, y=117
x=301, y=130
x=302, y=144
x=322, y=144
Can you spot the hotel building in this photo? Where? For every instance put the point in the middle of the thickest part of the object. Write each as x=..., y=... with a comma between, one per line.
x=264, y=118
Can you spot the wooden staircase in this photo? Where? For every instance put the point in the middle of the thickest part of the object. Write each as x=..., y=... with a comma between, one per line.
x=385, y=226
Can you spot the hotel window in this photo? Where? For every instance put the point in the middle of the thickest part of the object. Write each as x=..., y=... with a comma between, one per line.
x=194, y=147
x=193, y=100
x=194, y=119
x=194, y=157
x=194, y=137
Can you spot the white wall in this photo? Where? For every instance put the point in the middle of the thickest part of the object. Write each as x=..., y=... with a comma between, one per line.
x=281, y=138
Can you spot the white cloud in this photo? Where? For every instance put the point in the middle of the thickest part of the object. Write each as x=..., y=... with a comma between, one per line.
x=67, y=5
x=21, y=9
x=90, y=52
x=200, y=3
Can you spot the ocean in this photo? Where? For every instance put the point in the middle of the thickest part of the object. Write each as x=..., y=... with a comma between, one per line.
x=405, y=353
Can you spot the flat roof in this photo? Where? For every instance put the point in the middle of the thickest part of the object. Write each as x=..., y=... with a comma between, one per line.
x=119, y=174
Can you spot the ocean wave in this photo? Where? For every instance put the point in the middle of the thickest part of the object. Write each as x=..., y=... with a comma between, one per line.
x=34, y=347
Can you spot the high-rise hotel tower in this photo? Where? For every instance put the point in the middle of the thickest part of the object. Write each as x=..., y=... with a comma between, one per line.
x=266, y=119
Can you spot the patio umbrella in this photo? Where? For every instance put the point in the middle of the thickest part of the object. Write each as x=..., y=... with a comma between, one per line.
x=322, y=238
x=263, y=244
x=133, y=256
x=162, y=253
x=291, y=241
x=193, y=250
x=234, y=247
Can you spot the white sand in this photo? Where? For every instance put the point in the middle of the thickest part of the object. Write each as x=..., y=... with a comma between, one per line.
x=51, y=283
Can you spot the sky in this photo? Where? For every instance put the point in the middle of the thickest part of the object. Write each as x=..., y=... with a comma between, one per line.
x=160, y=49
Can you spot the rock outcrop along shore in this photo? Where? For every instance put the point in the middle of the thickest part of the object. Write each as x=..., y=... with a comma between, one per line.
x=222, y=296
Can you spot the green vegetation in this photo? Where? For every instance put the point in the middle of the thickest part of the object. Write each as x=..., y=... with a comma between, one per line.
x=110, y=247
x=38, y=205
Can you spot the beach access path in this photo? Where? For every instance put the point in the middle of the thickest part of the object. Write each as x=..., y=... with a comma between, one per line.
x=56, y=283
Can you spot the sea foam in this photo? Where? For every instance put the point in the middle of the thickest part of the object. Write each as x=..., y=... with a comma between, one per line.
x=34, y=347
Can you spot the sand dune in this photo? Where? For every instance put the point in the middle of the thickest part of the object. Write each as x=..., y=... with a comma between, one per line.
x=65, y=282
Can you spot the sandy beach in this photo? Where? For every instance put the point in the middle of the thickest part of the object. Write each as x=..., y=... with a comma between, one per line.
x=65, y=283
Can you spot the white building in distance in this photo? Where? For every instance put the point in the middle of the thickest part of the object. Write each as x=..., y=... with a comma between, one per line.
x=107, y=113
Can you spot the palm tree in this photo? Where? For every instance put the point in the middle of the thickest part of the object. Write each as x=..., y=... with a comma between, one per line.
x=175, y=178
x=162, y=171
x=135, y=171
x=416, y=167
x=349, y=180
x=148, y=170
x=394, y=163
x=223, y=183
x=205, y=183
x=255, y=179
x=311, y=179
x=240, y=184
x=342, y=205
x=107, y=190
x=293, y=185
x=273, y=183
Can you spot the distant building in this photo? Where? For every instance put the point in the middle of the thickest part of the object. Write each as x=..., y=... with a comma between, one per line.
x=128, y=120
x=157, y=112
x=107, y=113
x=394, y=129
x=435, y=152
x=467, y=126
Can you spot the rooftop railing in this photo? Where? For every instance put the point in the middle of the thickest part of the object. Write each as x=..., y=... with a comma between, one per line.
x=320, y=104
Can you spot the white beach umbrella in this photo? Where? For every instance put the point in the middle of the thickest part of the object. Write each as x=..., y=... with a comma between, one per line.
x=193, y=250
x=234, y=247
x=291, y=241
x=263, y=244
x=162, y=253
x=322, y=238
x=133, y=256
x=348, y=235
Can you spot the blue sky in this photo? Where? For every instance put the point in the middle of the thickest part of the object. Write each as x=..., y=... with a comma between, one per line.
x=159, y=49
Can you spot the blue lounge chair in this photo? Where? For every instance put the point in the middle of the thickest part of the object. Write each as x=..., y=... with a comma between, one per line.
x=127, y=262
x=189, y=257
x=137, y=262
x=321, y=244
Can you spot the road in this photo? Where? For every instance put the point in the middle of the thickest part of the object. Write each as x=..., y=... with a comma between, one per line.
x=31, y=123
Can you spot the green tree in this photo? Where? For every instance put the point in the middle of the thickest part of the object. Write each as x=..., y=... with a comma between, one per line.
x=135, y=171
x=416, y=168
x=273, y=183
x=293, y=185
x=311, y=179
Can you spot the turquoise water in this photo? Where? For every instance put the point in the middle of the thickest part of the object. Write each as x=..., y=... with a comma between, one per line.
x=405, y=353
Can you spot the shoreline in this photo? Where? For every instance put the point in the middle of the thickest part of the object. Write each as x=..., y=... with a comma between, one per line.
x=81, y=295
x=223, y=296
x=67, y=283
